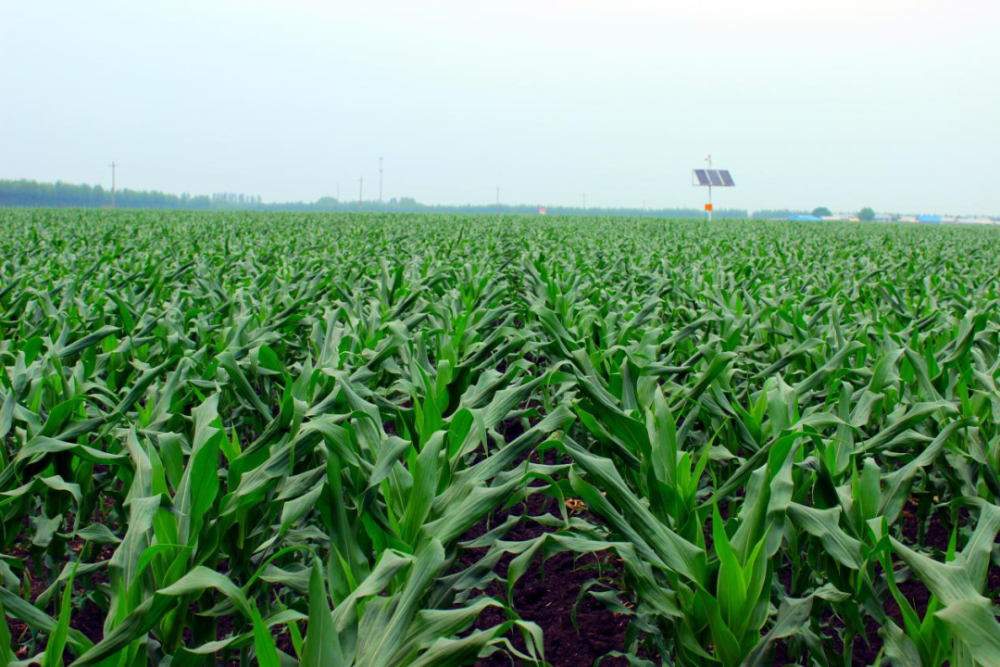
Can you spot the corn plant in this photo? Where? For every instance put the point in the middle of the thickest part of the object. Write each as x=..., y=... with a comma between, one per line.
x=280, y=439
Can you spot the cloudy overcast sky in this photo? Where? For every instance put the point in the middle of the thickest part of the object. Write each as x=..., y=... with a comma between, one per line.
x=889, y=103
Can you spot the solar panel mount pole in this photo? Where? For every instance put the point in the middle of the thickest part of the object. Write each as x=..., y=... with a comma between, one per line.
x=709, y=161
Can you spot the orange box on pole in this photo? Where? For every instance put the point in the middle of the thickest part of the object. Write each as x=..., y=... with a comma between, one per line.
x=708, y=207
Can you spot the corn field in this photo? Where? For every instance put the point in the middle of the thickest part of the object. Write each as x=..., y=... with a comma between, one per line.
x=350, y=440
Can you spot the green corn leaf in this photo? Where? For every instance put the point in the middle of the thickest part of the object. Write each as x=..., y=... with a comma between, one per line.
x=731, y=588
x=264, y=646
x=322, y=645
x=57, y=641
x=825, y=524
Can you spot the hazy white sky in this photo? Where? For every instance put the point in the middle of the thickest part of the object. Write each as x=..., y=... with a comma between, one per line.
x=889, y=103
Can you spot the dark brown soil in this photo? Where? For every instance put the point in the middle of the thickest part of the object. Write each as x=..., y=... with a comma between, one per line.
x=548, y=601
x=547, y=593
x=88, y=619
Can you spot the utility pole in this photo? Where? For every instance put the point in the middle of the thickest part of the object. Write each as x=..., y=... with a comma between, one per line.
x=498, y=200
x=380, y=180
x=361, y=190
x=112, y=184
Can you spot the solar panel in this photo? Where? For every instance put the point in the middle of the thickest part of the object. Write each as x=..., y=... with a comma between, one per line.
x=720, y=178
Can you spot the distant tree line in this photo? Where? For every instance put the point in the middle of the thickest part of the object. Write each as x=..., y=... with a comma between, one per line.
x=32, y=193
x=235, y=198
x=58, y=194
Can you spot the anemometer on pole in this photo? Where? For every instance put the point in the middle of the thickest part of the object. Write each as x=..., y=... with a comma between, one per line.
x=719, y=178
